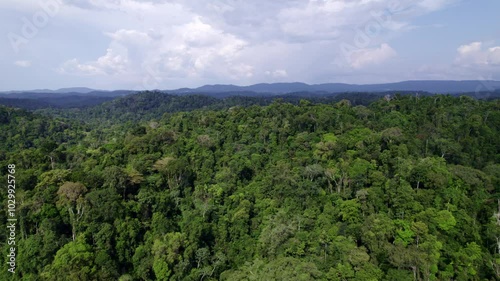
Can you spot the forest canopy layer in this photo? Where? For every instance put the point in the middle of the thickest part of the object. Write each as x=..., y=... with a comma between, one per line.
x=405, y=188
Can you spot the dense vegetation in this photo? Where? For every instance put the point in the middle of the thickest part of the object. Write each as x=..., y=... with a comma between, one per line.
x=406, y=188
x=154, y=104
x=147, y=105
x=54, y=102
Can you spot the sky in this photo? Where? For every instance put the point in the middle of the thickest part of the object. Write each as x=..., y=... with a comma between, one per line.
x=169, y=44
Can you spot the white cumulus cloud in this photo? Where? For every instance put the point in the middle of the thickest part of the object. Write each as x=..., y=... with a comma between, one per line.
x=193, y=49
x=23, y=63
x=111, y=63
x=278, y=73
x=476, y=54
x=364, y=57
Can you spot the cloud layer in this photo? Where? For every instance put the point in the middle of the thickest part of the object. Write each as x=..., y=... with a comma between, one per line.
x=244, y=42
x=22, y=63
x=476, y=54
x=173, y=43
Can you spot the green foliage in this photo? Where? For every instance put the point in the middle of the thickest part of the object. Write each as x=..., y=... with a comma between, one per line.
x=74, y=261
x=144, y=188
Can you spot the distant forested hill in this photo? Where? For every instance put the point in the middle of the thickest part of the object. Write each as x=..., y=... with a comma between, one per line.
x=183, y=100
x=54, y=102
x=153, y=105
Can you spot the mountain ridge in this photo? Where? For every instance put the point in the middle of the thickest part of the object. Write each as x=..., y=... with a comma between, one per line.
x=431, y=86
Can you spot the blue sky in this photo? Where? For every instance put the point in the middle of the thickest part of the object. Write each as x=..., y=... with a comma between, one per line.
x=166, y=44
